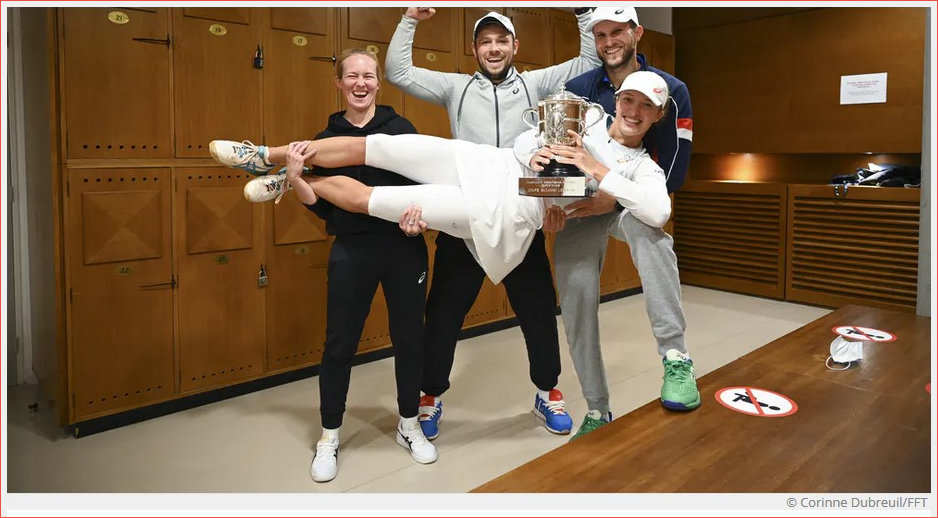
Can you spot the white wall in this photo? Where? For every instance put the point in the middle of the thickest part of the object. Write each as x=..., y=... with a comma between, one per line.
x=925, y=223
x=31, y=171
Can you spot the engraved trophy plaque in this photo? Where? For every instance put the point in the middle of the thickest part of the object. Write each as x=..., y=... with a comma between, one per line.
x=556, y=114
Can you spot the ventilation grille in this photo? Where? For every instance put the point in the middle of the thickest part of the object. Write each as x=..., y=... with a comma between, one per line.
x=730, y=236
x=855, y=250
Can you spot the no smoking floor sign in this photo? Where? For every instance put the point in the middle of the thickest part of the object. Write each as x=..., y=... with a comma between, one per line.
x=867, y=334
x=756, y=401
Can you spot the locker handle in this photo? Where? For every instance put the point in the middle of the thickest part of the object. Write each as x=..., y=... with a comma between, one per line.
x=171, y=284
x=331, y=59
x=154, y=40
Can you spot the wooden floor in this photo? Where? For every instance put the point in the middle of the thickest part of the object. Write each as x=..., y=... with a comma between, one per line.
x=865, y=429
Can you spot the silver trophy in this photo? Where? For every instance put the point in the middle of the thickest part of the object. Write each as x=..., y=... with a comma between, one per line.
x=556, y=114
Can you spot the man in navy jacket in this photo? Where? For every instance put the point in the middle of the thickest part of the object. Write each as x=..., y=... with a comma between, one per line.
x=580, y=248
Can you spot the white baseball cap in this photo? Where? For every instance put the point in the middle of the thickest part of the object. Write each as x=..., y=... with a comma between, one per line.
x=612, y=14
x=648, y=83
x=493, y=17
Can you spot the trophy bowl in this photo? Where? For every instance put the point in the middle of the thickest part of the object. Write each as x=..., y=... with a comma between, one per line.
x=556, y=114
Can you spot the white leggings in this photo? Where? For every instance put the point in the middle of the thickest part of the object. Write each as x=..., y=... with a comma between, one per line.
x=430, y=161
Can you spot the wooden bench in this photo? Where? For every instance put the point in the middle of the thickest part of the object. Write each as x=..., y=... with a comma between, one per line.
x=865, y=429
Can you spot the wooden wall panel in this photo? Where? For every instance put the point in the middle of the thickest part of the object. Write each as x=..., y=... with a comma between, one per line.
x=853, y=246
x=830, y=45
x=803, y=168
x=777, y=90
x=731, y=236
x=658, y=49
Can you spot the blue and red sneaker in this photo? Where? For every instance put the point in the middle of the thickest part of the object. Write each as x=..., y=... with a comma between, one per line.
x=553, y=412
x=430, y=415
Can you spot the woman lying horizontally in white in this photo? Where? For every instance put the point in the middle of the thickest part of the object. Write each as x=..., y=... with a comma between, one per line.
x=471, y=190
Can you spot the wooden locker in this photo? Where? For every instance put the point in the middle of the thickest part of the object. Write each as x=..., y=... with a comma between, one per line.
x=120, y=289
x=299, y=86
x=566, y=35
x=217, y=89
x=298, y=256
x=222, y=310
x=117, y=82
x=533, y=33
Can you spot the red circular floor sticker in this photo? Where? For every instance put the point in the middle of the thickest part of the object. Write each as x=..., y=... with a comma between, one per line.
x=867, y=334
x=756, y=401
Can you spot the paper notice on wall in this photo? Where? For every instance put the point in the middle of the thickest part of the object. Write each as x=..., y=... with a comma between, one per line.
x=863, y=89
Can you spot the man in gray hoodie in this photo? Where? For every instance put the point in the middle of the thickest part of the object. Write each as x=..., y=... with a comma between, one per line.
x=486, y=108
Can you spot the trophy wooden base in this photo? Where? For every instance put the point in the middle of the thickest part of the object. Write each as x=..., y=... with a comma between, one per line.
x=553, y=187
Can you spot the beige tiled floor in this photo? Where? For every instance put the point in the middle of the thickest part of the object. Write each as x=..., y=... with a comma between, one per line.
x=262, y=442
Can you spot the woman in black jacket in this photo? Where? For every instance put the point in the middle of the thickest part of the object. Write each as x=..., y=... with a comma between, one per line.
x=366, y=251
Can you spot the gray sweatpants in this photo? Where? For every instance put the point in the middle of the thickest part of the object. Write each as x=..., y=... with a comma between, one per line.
x=579, y=253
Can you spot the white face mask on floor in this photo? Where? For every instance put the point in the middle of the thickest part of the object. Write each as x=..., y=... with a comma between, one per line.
x=844, y=351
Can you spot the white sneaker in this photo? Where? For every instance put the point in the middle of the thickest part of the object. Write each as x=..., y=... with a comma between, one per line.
x=266, y=188
x=420, y=448
x=324, y=466
x=243, y=155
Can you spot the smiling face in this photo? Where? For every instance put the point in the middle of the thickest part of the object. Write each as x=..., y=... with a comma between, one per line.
x=635, y=113
x=357, y=79
x=616, y=42
x=495, y=49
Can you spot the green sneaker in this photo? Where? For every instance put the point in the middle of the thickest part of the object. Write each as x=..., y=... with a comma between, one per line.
x=679, y=390
x=593, y=420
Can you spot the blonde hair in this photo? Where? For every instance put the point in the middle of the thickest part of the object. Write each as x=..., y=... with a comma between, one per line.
x=347, y=53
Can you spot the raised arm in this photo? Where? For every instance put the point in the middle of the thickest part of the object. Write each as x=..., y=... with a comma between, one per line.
x=428, y=85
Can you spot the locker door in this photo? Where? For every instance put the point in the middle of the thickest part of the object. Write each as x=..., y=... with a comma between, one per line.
x=117, y=82
x=217, y=88
x=298, y=257
x=371, y=28
x=566, y=36
x=435, y=48
x=299, y=93
x=533, y=30
x=658, y=49
x=120, y=289
x=222, y=324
